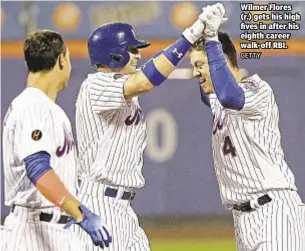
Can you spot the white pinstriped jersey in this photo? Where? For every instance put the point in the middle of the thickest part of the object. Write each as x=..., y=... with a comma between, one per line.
x=32, y=124
x=111, y=132
x=248, y=156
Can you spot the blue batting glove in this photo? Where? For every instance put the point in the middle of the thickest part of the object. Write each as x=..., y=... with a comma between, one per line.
x=93, y=225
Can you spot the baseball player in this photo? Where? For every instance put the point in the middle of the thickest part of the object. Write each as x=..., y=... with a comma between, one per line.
x=110, y=125
x=39, y=157
x=255, y=181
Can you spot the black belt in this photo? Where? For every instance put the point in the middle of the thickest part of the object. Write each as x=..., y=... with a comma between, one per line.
x=246, y=207
x=112, y=192
x=64, y=219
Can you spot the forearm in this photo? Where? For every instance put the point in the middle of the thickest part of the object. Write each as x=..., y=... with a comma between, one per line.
x=228, y=92
x=51, y=187
x=41, y=174
x=145, y=80
x=156, y=70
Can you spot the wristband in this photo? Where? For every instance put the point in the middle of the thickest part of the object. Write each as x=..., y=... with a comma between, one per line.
x=152, y=73
x=176, y=51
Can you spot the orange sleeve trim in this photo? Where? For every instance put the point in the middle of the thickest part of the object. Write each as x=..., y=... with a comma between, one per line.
x=78, y=48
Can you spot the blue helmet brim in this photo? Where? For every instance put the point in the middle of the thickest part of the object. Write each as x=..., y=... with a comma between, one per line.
x=142, y=44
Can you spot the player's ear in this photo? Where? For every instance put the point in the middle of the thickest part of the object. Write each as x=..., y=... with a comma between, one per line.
x=61, y=61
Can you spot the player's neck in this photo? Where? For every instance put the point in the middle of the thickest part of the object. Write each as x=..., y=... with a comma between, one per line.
x=46, y=82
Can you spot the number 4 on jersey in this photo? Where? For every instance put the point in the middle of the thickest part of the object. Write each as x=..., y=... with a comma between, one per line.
x=228, y=147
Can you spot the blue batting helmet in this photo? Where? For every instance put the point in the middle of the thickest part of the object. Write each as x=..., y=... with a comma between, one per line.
x=108, y=45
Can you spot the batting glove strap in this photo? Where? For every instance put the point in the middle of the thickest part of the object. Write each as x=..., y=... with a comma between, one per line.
x=193, y=33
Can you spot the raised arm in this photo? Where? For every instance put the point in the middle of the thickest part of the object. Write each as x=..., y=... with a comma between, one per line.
x=156, y=70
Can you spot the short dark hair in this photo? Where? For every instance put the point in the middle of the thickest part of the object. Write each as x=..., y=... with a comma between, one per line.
x=42, y=49
x=227, y=47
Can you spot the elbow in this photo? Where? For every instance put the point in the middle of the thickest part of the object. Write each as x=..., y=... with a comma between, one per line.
x=232, y=102
x=142, y=83
x=225, y=101
x=146, y=87
x=143, y=87
x=135, y=85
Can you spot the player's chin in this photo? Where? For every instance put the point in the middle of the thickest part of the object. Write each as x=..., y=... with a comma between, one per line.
x=133, y=70
x=65, y=85
x=206, y=89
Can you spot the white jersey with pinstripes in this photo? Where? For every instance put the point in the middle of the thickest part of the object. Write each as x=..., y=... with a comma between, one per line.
x=111, y=132
x=248, y=156
x=111, y=135
x=34, y=123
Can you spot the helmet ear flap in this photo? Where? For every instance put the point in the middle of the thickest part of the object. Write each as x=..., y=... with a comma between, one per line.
x=115, y=57
x=118, y=59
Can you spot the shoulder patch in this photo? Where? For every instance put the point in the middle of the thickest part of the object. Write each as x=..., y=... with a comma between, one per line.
x=36, y=135
x=251, y=85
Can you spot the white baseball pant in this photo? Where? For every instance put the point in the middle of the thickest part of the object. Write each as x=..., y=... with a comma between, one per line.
x=276, y=226
x=118, y=216
x=23, y=231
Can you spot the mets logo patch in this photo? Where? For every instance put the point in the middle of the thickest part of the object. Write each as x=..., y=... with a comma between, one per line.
x=251, y=85
x=36, y=135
